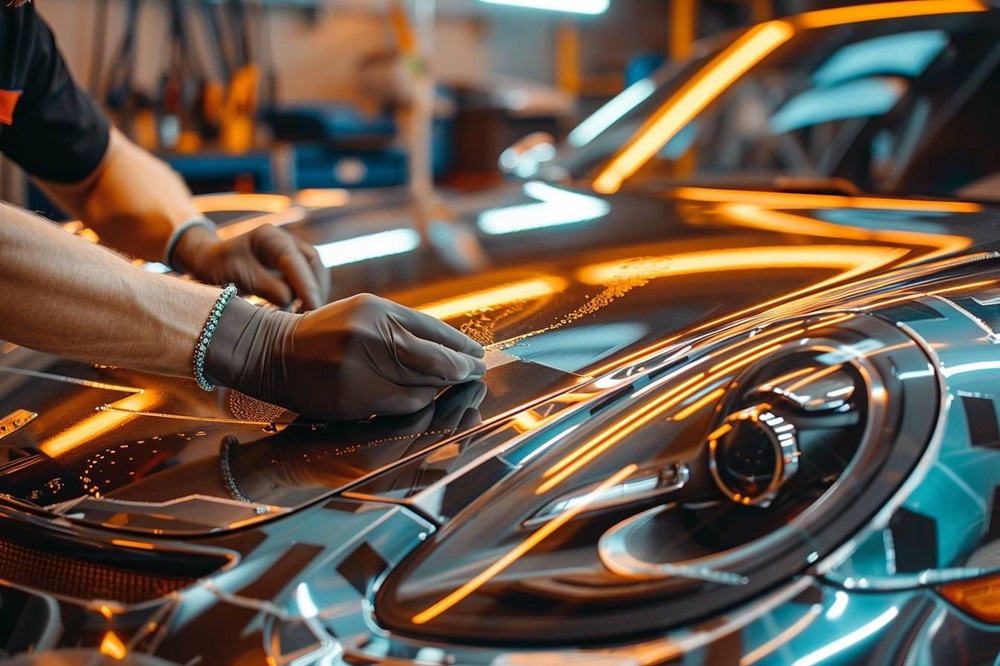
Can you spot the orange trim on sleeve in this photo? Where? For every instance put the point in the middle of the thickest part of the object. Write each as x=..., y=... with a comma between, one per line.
x=8, y=102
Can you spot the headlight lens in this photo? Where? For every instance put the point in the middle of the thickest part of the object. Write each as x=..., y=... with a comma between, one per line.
x=710, y=486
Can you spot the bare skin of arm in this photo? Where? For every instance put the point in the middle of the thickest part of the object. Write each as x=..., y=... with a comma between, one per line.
x=349, y=359
x=134, y=202
x=65, y=296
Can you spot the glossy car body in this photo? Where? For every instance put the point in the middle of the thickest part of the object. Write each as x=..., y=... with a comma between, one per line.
x=720, y=426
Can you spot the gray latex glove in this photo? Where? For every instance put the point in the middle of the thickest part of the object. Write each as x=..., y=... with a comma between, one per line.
x=267, y=261
x=353, y=358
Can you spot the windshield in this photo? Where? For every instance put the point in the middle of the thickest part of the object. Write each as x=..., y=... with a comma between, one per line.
x=901, y=106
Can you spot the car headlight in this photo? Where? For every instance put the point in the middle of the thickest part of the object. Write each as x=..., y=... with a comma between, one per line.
x=711, y=485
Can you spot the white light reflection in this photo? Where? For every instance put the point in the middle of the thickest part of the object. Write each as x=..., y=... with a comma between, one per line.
x=307, y=607
x=556, y=207
x=607, y=115
x=838, y=607
x=890, y=552
x=850, y=639
x=592, y=7
x=546, y=446
x=914, y=374
x=372, y=246
x=971, y=367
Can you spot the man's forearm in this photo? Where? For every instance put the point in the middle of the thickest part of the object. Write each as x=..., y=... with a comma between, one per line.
x=65, y=296
x=133, y=200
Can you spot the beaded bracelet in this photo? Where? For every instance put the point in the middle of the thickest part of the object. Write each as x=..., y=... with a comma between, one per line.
x=201, y=348
x=175, y=237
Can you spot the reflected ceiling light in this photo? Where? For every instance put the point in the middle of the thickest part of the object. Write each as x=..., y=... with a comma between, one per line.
x=885, y=10
x=610, y=113
x=977, y=366
x=556, y=207
x=98, y=424
x=750, y=258
x=322, y=198
x=845, y=642
x=307, y=607
x=796, y=200
x=789, y=223
x=507, y=294
x=838, y=607
x=277, y=219
x=264, y=203
x=700, y=91
x=372, y=246
x=574, y=6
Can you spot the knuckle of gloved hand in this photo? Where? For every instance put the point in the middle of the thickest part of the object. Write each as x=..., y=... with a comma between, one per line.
x=365, y=305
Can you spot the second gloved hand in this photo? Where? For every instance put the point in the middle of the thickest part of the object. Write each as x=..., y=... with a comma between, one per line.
x=266, y=261
x=356, y=357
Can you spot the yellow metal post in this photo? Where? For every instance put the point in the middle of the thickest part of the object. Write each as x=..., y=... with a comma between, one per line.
x=568, y=57
x=683, y=27
x=683, y=32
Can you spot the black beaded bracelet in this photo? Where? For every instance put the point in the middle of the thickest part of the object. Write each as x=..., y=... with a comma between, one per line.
x=201, y=348
x=175, y=237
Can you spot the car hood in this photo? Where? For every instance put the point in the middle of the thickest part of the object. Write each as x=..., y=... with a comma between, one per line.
x=560, y=286
x=578, y=282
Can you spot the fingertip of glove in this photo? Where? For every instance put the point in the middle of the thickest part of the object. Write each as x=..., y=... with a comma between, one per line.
x=478, y=368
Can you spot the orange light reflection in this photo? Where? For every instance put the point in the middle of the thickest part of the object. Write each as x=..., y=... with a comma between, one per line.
x=777, y=381
x=98, y=424
x=262, y=203
x=125, y=543
x=792, y=200
x=740, y=360
x=507, y=294
x=703, y=88
x=113, y=647
x=576, y=460
x=831, y=321
x=886, y=10
x=963, y=287
x=521, y=549
x=788, y=223
x=633, y=416
x=829, y=370
x=695, y=406
x=279, y=219
x=784, y=637
x=332, y=198
x=848, y=257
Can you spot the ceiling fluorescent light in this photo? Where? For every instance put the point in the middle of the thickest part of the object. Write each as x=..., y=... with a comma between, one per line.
x=575, y=6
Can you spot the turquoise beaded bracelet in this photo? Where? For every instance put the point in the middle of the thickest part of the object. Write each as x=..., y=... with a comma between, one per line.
x=201, y=348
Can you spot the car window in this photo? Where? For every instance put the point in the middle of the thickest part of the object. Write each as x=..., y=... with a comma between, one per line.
x=869, y=103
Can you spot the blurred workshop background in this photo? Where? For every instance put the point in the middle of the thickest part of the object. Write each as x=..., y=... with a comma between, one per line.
x=282, y=95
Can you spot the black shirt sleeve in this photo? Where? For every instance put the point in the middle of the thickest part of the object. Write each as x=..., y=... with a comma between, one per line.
x=58, y=132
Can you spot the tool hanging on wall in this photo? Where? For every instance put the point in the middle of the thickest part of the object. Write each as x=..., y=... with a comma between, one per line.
x=131, y=108
x=180, y=89
x=239, y=107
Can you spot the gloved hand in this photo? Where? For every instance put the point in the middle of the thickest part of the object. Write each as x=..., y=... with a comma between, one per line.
x=353, y=358
x=266, y=261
